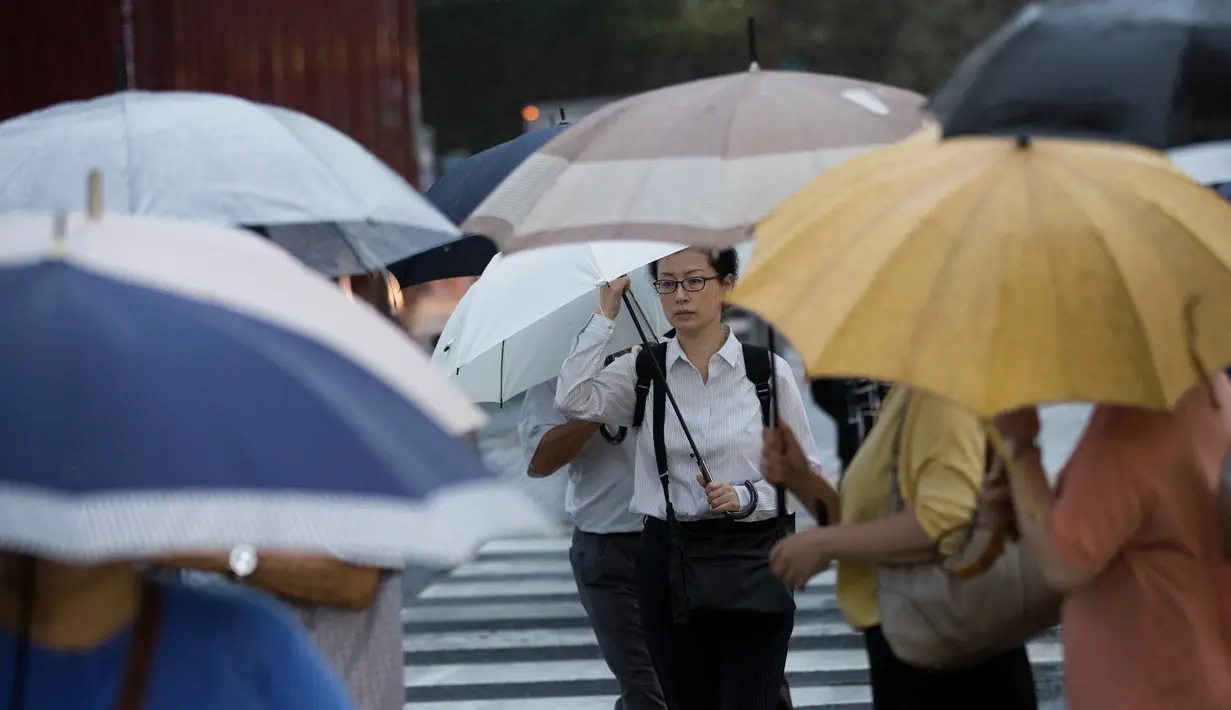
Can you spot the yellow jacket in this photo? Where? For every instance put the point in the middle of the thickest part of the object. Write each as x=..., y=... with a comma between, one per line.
x=943, y=459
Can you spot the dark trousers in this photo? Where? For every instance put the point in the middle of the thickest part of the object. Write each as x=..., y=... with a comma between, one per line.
x=603, y=567
x=732, y=661
x=1004, y=682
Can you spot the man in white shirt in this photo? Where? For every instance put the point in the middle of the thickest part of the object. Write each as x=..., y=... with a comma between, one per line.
x=606, y=538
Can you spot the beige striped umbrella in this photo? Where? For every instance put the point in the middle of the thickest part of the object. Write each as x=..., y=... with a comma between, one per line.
x=697, y=163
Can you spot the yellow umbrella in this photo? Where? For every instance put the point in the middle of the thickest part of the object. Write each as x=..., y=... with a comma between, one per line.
x=1001, y=273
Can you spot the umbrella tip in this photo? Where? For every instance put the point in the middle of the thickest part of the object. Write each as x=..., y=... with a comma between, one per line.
x=1024, y=141
x=94, y=201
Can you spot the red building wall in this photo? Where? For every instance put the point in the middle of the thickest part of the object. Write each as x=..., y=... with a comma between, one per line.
x=351, y=63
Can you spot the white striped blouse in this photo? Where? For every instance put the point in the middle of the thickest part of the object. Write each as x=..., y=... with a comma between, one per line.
x=723, y=415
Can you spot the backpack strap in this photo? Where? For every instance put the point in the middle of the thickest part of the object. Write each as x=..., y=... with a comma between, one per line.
x=759, y=369
x=759, y=372
x=659, y=353
x=645, y=376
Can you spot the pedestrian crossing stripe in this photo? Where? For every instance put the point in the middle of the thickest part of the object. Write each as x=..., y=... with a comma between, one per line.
x=508, y=632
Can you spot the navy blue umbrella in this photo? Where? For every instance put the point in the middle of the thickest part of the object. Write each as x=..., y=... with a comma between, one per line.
x=171, y=388
x=457, y=193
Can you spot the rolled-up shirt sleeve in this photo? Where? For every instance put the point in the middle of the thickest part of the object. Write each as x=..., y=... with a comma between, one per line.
x=538, y=416
x=944, y=454
x=1099, y=505
x=589, y=392
x=791, y=411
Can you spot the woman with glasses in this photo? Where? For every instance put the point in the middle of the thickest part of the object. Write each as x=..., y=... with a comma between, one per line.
x=723, y=643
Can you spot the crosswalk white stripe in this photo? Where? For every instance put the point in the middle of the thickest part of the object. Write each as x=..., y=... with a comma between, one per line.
x=830, y=695
x=835, y=696
x=493, y=612
x=521, y=546
x=495, y=567
x=572, y=670
x=589, y=702
x=549, y=638
x=529, y=588
x=528, y=585
x=549, y=610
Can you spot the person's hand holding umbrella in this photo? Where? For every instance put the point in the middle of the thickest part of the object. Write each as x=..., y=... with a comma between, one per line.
x=514, y=326
x=610, y=297
x=783, y=463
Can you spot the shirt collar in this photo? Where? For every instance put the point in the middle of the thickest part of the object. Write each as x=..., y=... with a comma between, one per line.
x=731, y=350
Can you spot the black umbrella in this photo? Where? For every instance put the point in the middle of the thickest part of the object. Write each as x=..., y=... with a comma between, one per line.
x=467, y=256
x=1152, y=72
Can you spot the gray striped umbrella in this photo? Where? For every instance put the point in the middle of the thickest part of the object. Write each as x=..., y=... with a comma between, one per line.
x=696, y=163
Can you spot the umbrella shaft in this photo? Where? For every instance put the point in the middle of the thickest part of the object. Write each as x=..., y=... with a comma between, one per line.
x=661, y=378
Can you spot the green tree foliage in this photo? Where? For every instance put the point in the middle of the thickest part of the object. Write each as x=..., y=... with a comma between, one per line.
x=482, y=60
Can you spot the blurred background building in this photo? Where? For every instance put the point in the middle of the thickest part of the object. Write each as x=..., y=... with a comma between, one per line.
x=424, y=83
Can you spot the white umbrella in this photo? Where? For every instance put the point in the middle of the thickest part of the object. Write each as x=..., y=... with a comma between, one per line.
x=222, y=160
x=172, y=387
x=516, y=324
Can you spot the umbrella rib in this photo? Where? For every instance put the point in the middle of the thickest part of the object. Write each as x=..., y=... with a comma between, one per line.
x=1031, y=199
x=622, y=226
x=917, y=334
x=871, y=223
x=1081, y=180
x=954, y=246
x=310, y=150
x=1162, y=210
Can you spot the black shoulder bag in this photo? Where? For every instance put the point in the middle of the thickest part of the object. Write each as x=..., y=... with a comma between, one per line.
x=718, y=565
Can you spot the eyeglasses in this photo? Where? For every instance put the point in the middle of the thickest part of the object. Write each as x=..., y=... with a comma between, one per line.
x=691, y=284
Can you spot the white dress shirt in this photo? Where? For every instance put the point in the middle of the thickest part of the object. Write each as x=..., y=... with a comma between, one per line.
x=723, y=415
x=600, y=478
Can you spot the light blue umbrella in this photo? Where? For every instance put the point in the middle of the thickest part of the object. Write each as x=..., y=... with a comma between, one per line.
x=222, y=160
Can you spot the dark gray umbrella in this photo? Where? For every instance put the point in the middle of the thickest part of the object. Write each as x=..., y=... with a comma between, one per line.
x=1152, y=72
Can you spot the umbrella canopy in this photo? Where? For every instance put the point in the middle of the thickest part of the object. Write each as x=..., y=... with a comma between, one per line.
x=468, y=183
x=177, y=388
x=516, y=324
x=456, y=194
x=1141, y=71
x=222, y=160
x=463, y=257
x=1001, y=275
x=697, y=163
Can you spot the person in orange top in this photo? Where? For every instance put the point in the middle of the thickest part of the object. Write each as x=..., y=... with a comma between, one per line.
x=1131, y=539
